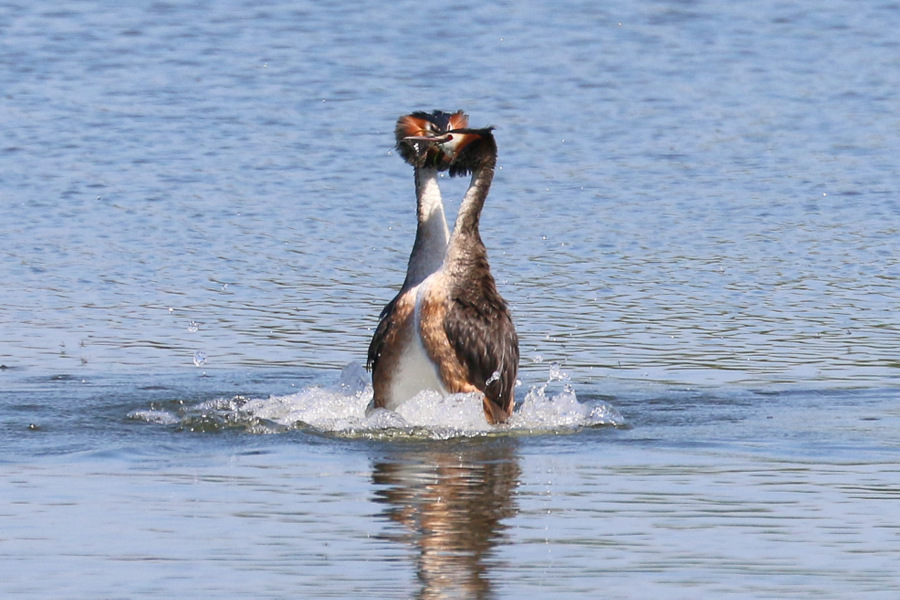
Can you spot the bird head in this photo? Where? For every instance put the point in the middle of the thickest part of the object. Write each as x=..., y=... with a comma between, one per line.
x=414, y=132
x=462, y=149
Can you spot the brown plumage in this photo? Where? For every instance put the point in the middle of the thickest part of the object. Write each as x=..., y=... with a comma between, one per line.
x=474, y=319
x=458, y=322
x=397, y=360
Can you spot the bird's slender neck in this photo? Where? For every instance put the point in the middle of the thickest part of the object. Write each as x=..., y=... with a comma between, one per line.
x=465, y=243
x=432, y=233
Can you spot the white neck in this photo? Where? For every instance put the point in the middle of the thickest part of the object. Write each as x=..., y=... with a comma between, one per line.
x=432, y=232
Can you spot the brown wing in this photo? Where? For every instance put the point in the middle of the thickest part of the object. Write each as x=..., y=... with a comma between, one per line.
x=481, y=332
x=385, y=324
x=387, y=346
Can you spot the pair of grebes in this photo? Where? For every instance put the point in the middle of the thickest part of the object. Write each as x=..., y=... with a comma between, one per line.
x=447, y=329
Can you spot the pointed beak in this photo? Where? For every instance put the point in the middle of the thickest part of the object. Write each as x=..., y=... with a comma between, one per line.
x=425, y=150
x=423, y=143
x=429, y=139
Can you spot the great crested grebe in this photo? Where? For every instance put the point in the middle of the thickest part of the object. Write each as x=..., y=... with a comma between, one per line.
x=432, y=233
x=452, y=332
x=398, y=362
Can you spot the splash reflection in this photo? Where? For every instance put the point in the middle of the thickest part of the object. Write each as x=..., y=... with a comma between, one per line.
x=451, y=503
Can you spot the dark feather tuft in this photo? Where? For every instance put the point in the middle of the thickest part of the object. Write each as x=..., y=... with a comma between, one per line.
x=477, y=148
x=421, y=123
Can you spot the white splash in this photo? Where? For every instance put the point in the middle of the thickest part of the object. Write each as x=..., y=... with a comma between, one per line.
x=539, y=412
x=345, y=409
x=556, y=373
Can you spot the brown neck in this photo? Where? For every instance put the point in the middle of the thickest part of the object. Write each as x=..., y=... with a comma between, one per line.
x=467, y=263
x=465, y=242
x=473, y=202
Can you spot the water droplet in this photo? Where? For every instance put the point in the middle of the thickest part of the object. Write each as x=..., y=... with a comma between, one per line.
x=199, y=358
x=556, y=373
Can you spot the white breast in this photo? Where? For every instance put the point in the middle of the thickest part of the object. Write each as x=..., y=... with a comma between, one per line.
x=414, y=371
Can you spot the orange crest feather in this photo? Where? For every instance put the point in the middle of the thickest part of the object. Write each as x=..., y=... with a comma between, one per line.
x=424, y=124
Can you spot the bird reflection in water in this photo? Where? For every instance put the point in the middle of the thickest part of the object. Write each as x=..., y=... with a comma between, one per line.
x=451, y=502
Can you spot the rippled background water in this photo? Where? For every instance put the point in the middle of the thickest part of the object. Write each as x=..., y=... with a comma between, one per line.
x=695, y=222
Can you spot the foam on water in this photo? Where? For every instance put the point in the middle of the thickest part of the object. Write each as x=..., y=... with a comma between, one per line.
x=345, y=409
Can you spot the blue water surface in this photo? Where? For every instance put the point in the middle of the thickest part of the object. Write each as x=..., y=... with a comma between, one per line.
x=695, y=222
